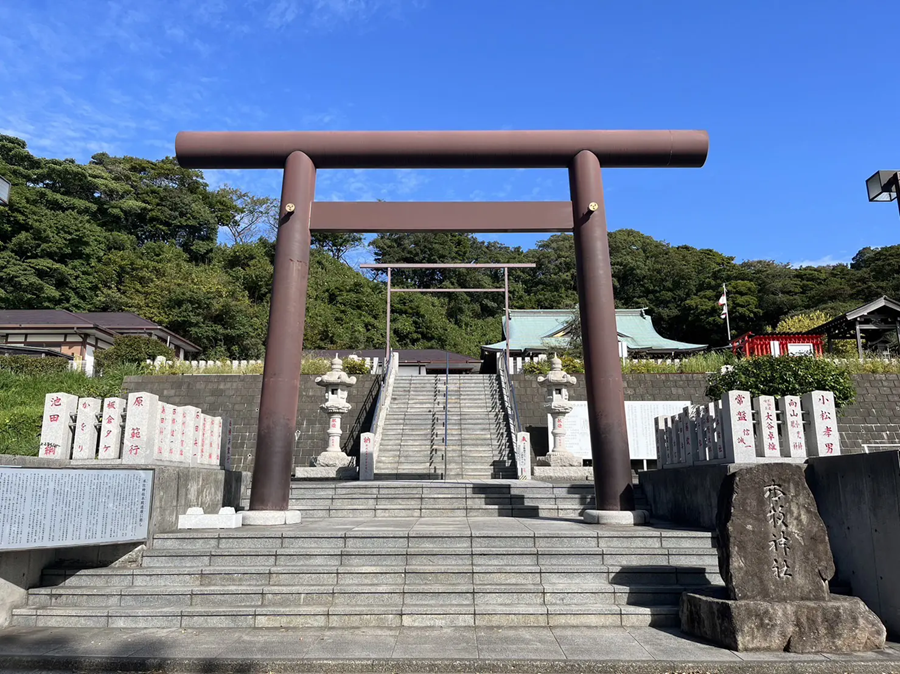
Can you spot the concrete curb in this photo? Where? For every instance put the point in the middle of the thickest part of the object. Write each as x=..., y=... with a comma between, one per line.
x=49, y=663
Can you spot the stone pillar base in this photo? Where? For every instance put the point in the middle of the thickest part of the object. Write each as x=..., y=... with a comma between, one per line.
x=269, y=518
x=840, y=624
x=617, y=517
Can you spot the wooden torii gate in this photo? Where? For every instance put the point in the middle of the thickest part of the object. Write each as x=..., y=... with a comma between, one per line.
x=301, y=153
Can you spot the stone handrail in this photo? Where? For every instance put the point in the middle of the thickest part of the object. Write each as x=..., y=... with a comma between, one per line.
x=384, y=401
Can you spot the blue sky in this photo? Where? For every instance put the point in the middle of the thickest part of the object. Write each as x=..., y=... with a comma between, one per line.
x=800, y=98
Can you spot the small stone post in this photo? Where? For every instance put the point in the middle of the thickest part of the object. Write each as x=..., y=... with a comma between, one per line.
x=556, y=385
x=336, y=384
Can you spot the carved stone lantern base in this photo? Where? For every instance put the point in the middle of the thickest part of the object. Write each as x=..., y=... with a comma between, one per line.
x=333, y=459
x=560, y=459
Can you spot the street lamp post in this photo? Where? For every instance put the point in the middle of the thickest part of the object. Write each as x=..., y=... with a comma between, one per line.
x=884, y=186
x=4, y=191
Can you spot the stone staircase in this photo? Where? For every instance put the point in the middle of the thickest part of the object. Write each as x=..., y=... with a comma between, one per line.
x=387, y=572
x=490, y=498
x=478, y=446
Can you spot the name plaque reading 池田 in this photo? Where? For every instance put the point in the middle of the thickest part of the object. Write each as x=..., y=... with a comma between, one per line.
x=57, y=507
x=640, y=419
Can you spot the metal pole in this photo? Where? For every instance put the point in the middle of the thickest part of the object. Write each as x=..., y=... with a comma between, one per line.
x=506, y=300
x=603, y=371
x=387, y=341
x=727, y=313
x=284, y=346
x=859, y=348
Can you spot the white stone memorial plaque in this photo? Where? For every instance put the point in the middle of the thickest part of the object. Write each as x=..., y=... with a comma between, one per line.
x=822, y=437
x=766, y=427
x=227, y=434
x=58, y=507
x=141, y=426
x=737, y=427
x=85, y=448
x=111, y=430
x=639, y=418
x=56, y=432
x=367, y=456
x=162, y=431
x=793, y=441
x=190, y=439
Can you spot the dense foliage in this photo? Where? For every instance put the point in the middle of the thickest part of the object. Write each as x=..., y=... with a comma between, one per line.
x=26, y=365
x=130, y=234
x=787, y=375
x=132, y=349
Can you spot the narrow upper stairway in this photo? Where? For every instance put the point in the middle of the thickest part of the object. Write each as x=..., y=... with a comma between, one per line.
x=478, y=443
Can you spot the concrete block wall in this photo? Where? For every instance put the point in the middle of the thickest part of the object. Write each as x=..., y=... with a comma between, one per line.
x=873, y=419
x=237, y=397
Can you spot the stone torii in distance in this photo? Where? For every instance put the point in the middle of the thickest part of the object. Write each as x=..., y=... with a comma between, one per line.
x=301, y=153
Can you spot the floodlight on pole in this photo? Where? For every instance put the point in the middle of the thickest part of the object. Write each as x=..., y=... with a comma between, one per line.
x=884, y=186
x=4, y=191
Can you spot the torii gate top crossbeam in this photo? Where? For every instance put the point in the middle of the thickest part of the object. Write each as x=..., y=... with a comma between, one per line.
x=439, y=149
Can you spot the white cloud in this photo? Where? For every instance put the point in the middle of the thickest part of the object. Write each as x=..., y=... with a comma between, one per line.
x=828, y=260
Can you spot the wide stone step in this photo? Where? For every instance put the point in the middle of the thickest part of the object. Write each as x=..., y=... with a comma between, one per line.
x=443, y=558
x=337, y=595
x=401, y=576
x=583, y=537
x=384, y=615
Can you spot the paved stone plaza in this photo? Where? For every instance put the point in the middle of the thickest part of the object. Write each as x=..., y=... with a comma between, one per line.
x=405, y=649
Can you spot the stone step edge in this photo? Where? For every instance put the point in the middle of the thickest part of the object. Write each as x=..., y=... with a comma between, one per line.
x=379, y=609
x=259, y=570
x=425, y=588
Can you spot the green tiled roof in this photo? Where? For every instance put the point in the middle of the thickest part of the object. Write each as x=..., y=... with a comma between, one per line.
x=539, y=330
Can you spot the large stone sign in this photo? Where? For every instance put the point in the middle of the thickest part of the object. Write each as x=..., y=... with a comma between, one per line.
x=776, y=561
x=772, y=542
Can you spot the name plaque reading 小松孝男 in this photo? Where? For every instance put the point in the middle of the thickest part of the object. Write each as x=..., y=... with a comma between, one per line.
x=640, y=419
x=58, y=507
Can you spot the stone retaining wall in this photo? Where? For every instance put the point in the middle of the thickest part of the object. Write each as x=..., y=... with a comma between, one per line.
x=874, y=418
x=237, y=397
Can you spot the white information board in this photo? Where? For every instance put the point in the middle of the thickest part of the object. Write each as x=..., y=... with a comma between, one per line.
x=640, y=418
x=56, y=507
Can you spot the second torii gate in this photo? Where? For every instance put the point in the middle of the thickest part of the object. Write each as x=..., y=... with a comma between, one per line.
x=301, y=153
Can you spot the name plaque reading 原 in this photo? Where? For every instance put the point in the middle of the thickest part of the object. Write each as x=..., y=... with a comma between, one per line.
x=54, y=507
x=640, y=418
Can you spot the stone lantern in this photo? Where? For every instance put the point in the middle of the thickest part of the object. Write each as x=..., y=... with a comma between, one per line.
x=556, y=385
x=336, y=384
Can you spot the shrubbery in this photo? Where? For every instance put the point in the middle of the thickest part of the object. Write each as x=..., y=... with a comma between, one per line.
x=784, y=375
x=26, y=365
x=132, y=349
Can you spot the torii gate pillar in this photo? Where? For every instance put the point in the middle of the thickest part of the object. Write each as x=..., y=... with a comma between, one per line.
x=599, y=335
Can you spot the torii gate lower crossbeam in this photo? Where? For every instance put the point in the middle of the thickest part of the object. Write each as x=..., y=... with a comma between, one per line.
x=581, y=152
